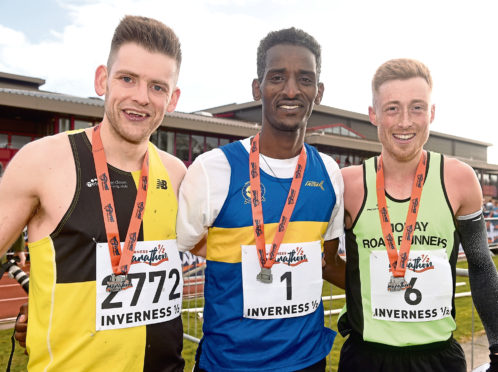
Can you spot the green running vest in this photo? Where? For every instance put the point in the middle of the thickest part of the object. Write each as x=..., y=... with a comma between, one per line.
x=424, y=313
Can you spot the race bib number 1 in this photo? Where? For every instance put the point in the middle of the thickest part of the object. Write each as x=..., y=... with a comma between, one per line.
x=156, y=292
x=296, y=287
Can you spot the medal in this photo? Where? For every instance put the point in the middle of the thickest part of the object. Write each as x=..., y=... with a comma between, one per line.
x=117, y=283
x=265, y=275
x=397, y=283
x=257, y=209
x=120, y=260
x=398, y=261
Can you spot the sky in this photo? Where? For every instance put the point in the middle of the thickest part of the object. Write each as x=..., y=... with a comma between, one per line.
x=63, y=41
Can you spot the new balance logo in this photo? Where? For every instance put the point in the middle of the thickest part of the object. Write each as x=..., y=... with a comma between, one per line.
x=162, y=184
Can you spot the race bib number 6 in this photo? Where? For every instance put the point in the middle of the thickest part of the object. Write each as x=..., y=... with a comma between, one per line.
x=296, y=287
x=156, y=288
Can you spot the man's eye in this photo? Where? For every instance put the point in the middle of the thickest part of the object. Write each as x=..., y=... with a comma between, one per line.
x=126, y=79
x=158, y=88
x=276, y=78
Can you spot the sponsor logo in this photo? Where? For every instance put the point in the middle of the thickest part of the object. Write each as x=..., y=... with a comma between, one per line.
x=153, y=257
x=292, y=258
x=161, y=185
x=315, y=184
x=414, y=205
x=420, y=264
x=103, y=179
x=292, y=197
x=246, y=192
x=109, y=212
x=140, y=210
x=114, y=184
x=299, y=171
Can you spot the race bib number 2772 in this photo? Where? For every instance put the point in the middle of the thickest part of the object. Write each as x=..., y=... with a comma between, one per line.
x=156, y=288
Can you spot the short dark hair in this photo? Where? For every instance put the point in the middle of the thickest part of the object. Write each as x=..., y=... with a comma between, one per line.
x=291, y=36
x=150, y=34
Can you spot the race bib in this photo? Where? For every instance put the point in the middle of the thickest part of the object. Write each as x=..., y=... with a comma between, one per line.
x=429, y=295
x=296, y=287
x=157, y=285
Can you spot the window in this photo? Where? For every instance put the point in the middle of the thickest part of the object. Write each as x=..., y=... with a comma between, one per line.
x=4, y=141
x=19, y=141
x=64, y=125
x=80, y=124
x=197, y=146
x=211, y=143
x=182, y=146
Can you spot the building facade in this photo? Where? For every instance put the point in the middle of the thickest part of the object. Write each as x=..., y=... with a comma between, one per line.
x=28, y=113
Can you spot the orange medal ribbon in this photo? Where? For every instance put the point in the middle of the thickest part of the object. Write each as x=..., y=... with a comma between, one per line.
x=257, y=209
x=120, y=261
x=398, y=261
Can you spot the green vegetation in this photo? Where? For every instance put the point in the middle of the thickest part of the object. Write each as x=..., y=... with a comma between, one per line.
x=193, y=323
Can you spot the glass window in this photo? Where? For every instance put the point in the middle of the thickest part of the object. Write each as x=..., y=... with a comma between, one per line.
x=224, y=141
x=166, y=141
x=197, y=146
x=182, y=145
x=80, y=124
x=211, y=143
x=64, y=125
x=19, y=141
x=4, y=141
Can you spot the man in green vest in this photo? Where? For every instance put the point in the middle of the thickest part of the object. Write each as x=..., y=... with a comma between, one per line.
x=406, y=213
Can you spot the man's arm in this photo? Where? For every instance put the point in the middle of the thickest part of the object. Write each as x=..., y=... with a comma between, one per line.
x=202, y=195
x=334, y=270
x=19, y=197
x=464, y=193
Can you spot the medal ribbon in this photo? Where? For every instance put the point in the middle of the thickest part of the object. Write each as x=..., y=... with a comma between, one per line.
x=120, y=261
x=257, y=207
x=398, y=261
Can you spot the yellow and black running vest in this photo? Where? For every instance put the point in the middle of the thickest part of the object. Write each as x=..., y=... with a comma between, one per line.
x=62, y=333
x=425, y=312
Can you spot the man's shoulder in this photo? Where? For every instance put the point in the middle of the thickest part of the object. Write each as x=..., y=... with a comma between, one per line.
x=353, y=172
x=46, y=149
x=171, y=161
x=457, y=169
x=328, y=160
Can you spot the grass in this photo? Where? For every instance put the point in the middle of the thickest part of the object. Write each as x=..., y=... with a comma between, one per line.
x=191, y=321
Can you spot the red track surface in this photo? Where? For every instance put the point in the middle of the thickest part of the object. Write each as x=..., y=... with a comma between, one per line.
x=12, y=296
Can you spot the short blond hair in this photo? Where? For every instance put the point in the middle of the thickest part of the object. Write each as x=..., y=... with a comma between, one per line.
x=400, y=69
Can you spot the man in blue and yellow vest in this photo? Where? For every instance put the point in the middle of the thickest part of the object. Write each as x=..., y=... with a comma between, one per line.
x=406, y=213
x=269, y=205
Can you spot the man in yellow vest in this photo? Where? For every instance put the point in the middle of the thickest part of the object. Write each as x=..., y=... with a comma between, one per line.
x=84, y=311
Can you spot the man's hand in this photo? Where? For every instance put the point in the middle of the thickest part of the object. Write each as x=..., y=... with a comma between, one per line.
x=21, y=326
x=22, y=258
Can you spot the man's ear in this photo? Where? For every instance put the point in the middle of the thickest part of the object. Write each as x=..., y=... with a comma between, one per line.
x=256, y=90
x=174, y=100
x=319, y=96
x=100, y=80
x=372, y=115
x=433, y=113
